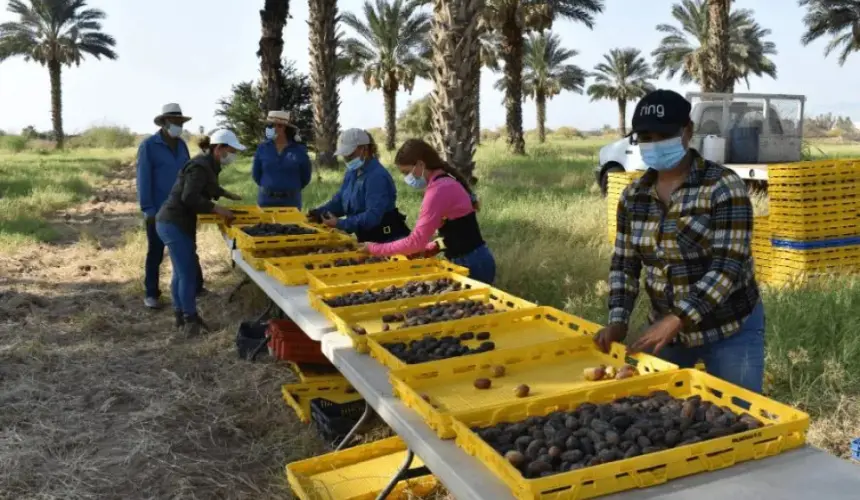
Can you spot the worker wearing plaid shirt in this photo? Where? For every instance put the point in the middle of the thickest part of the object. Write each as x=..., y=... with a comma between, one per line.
x=687, y=222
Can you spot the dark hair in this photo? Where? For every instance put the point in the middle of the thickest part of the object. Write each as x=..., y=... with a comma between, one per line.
x=414, y=150
x=373, y=149
x=203, y=143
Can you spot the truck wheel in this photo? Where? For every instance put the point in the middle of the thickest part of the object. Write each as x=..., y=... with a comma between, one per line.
x=604, y=177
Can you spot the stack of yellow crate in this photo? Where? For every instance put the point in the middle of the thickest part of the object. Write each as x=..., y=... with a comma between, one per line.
x=615, y=185
x=814, y=219
x=762, y=251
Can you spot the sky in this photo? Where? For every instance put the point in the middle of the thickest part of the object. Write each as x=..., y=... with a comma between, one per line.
x=193, y=51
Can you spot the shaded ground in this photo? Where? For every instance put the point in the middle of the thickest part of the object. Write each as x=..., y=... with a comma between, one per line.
x=98, y=402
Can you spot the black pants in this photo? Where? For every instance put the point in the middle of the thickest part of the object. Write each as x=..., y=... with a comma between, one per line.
x=154, y=257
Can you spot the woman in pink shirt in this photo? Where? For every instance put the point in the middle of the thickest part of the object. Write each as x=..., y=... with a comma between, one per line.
x=449, y=206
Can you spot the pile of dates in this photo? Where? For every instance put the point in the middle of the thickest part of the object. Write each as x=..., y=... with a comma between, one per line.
x=293, y=252
x=440, y=312
x=275, y=229
x=598, y=434
x=352, y=261
x=431, y=348
x=406, y=291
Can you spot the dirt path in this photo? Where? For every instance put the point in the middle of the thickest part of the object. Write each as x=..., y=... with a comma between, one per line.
x=97, y=402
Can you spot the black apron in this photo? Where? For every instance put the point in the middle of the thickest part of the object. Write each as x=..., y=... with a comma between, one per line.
x=460, y=236
x=392, y=227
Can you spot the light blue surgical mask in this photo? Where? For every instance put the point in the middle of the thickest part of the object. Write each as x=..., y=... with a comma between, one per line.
x=354, y=164
x=415, y=181
x=228, y=159
x=270, y=133
x=173, y=130
x=663, y=155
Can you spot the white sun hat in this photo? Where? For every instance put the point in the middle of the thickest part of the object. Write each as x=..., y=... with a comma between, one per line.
x=351, y=139
x=279, y=117
x=170, y=110
x=226, y=136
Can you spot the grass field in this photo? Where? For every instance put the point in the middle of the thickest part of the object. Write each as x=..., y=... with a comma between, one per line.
x=97, y=401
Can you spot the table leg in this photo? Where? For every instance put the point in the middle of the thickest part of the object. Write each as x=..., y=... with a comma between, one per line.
x=402, y=473
x=268, y=311
x=365, y=416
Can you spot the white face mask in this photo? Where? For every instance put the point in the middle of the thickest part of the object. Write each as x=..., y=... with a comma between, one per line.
x=228, y=159
x=173, y=130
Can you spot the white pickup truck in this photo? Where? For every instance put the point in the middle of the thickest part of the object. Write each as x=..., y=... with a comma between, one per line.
x=757, y=130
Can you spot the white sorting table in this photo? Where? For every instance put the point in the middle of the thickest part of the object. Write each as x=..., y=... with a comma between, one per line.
x=806, y=473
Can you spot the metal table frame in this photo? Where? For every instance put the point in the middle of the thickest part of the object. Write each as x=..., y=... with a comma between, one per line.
x=795, y=475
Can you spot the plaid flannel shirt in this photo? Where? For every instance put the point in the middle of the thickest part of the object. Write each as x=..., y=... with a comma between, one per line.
x=696, y=253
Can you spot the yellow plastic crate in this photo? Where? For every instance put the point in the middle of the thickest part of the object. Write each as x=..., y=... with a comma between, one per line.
x=440, y=389
x=318, y=298
x=299, y=396
x=508, y=330
x=257, y=258
x=818, y=172
x=370, y=316
x=285, y=215
x=292, y=271
x=252, y=215
x=816, y=259
x=313, y=374
x=785, y=429
x=246, y=241
x=819, y=193
x=357, y=473
x=322, y=278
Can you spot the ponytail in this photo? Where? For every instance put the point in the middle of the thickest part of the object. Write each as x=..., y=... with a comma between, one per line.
x=372, y=148
x=204, y=144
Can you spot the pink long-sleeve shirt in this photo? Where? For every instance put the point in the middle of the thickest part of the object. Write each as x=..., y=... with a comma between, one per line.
x=444, y=199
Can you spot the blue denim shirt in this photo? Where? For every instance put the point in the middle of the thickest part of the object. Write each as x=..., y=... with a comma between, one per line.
x=364, y=197
x=288, y=171
x=157, y=169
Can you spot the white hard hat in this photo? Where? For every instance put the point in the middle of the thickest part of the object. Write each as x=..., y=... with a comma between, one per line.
x=226, y=136
x=351, y=139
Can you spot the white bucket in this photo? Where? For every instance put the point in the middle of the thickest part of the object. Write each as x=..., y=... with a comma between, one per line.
x=714, y=149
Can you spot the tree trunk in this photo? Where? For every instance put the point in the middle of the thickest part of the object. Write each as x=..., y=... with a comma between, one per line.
x=55, y=71
x=512, y=54
x=456, y=77
x=324, y=94
x=389, y=95
x=477, y=125
x=622, y=117
x=540, y=104
x=720, y=77
x=273, y=18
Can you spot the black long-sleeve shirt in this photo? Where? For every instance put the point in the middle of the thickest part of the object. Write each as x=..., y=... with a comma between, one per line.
x=195, y=188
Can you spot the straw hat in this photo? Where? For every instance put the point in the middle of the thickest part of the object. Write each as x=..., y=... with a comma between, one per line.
x=172, y=110
x=279, y=117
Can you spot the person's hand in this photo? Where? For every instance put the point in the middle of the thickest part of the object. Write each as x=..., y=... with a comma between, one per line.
x=658, y=335
x=610, y=334
x=315, y=216
x=329, y=220
x=225, y=213
x=232, y=196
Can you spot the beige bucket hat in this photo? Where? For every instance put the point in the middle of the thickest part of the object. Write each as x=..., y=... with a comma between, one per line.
x=173, y=110
x=279, y=117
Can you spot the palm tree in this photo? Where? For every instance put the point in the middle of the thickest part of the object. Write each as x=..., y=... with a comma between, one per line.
x=55, y=33
x=623, y=76
x=719, y=72
x=545, y=73
x=840, y=19
x=489, y=55
x=685, y=51
x=273, y=18
x=391, y=52
x=512, y=18
x=456, y=49
x=324, y=44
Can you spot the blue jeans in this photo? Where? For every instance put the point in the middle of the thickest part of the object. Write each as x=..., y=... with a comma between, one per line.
x=183, y=256
x=293, y=199
x=738, y=359
x=481, y=264
x=154, y=257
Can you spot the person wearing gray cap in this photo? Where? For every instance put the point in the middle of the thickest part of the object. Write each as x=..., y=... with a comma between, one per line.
x=366, y=203
x=688, y=222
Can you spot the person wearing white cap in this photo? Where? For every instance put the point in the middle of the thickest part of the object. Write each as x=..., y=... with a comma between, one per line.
x=176, y=222
x=366, y=203
x=282, y=167
x=160, y=157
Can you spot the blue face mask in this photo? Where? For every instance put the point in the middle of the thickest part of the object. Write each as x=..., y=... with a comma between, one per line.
x=270, y=133
x=415, y=181
x=354, y=164
x=663, y=155
x=173, y=130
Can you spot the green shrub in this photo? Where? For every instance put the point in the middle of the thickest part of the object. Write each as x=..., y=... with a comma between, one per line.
x=104, y=137
x=568, y=133
x=13, y=143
